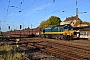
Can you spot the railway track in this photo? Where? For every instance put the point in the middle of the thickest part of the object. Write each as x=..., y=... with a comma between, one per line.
x=68, y=50
x=67, y=47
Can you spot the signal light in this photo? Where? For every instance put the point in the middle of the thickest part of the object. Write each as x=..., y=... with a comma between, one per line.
x=9, y=27
x=20, y=26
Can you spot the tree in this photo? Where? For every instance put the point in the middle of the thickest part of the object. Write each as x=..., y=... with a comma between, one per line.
x=11, y=30
x=43, y=24
x=15, y=29
x=52, y=21
x=26, y=28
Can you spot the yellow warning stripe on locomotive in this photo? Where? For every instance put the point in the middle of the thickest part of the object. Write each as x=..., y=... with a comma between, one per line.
x=52, y=33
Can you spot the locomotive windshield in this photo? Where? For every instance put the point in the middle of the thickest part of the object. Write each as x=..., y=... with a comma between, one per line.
x=68, y=27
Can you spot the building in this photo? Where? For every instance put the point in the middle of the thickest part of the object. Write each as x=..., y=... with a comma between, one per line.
x=82, y=25
x=73, y=21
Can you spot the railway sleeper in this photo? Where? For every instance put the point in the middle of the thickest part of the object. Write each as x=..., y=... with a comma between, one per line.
x=70, y=53
x=78, y=47
x=60, y=54
x=82, y=50
x=73, y=49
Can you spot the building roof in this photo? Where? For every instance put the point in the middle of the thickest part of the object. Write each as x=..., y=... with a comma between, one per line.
x=72, y=21
x=71, y=18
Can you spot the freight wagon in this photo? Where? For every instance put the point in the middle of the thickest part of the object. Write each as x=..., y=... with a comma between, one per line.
x=58, y=32
x=24, y=33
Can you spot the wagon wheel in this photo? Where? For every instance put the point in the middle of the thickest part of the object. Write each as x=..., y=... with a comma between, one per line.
x=56, y=38
x=71, y=37
x=61, y=37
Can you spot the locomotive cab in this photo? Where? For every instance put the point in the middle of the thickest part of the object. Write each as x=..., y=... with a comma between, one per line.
x=76, y=34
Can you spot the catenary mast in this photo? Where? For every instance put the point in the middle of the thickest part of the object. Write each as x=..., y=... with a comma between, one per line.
x=76, y=13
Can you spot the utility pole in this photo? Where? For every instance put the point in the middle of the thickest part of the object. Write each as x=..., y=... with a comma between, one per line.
x=0, y=27
x=29, y=29
x=76, y=13
x=31, y=26
x=23, y=25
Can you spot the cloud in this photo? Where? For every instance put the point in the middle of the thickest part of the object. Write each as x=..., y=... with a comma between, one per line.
x=43, y=7
x=37, y=9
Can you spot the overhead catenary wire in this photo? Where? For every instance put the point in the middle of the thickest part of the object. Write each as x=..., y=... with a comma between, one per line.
x=34, y=2
x=59, y=10
x=62, y=9
x=20, y=9
x=37, y=1
x=8, y=7
x=21, y=3
x=7, y=10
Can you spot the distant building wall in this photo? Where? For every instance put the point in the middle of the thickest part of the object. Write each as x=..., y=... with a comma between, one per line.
x=85, y=34
x=82, y=25
x=74, y=23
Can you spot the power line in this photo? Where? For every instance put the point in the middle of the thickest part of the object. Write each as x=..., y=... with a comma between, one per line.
x=66, y=7
x=7, y=10
x=35, y=2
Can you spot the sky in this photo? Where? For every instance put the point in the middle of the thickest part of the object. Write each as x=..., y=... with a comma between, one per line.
x=30, y=13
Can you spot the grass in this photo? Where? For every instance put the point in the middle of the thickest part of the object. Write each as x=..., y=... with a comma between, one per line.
x=8, y=53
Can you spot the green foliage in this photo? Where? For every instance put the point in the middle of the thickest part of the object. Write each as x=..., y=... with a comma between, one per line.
x=43, y=24
x=8, y=53
x=26, y=28
x=52, y=21
x=15, y=29
x=0, y=34
x=3, y=52
x=11, y=30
